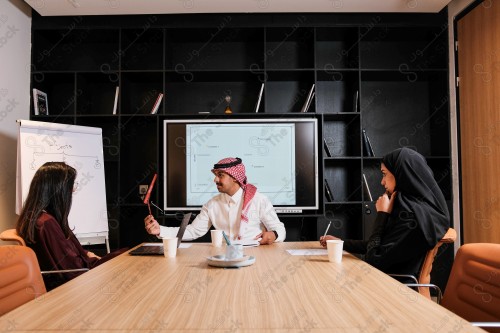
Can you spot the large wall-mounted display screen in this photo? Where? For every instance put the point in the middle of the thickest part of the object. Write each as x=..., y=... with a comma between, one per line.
x=280, y=156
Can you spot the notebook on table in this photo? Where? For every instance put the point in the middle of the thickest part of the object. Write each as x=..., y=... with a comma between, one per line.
x=151, y=249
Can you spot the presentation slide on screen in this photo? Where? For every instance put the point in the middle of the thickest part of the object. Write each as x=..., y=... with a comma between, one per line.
x=267, y=151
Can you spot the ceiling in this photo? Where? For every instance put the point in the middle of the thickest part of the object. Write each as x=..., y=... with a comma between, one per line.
x=124, y=7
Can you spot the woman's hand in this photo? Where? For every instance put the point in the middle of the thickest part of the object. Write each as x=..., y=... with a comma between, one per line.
x=384, y=203
x=323, y=239
x=151, y=225
x=92, y=255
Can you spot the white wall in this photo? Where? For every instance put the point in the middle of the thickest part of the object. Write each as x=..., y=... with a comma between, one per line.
x=454, y=8
x=15, y=59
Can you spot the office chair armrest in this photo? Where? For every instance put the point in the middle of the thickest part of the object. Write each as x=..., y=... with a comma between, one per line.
x=428, y=285
x=66, y=271
x=408, y=276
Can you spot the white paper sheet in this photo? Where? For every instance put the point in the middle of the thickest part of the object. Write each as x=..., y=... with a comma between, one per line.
x=308, y=252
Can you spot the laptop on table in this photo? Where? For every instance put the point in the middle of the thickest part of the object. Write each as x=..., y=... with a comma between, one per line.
x=157, y=248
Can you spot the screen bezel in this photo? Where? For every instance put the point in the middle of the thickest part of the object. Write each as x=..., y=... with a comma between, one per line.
x=298, y=208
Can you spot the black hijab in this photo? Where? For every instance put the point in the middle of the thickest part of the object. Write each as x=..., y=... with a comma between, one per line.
x=419, y=196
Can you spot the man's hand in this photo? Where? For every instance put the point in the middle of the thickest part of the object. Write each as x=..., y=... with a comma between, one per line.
x=267, y=237
x=151, y=225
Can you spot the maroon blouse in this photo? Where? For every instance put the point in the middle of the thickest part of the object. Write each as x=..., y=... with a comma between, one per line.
x=55, y=251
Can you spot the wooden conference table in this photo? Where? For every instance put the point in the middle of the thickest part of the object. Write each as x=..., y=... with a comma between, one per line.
x=278, y=293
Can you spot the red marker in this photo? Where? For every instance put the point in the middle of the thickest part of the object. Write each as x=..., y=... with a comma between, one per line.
x=148, y=195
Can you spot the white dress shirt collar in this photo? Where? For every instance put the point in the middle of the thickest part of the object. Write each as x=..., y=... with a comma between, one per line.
x=235, y=198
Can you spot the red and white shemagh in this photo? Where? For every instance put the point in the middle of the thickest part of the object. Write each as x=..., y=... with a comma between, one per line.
x=236, y=169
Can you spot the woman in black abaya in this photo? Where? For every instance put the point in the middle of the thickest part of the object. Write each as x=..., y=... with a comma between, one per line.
x=412, y=216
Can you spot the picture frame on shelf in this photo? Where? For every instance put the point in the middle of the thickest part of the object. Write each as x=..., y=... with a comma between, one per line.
x=40, y=103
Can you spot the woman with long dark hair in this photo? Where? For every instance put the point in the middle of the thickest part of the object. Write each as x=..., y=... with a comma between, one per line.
x=43, y=224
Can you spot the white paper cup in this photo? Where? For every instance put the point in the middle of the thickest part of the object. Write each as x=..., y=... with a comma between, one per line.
x=335, y=247
x=216, y=237
x=170, y=247
x=234, y=251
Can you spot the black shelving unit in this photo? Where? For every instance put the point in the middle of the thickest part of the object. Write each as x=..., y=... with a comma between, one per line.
x=385, y=73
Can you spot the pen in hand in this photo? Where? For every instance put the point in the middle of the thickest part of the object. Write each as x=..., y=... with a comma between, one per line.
x=225, y=238
x=328, y=227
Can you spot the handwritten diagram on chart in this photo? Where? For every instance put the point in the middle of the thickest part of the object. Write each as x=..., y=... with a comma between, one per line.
x=63, y=152
x=77, y=146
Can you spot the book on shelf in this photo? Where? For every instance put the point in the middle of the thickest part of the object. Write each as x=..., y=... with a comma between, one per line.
x=327, y=149
x=310, y=96
x=355, y=102
x=367, y=146
x=366, y=190
x=115, y=105
x=40, y=103
x=154, y=110
x=259, y=99
x=310, y=100
x=328, y=191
